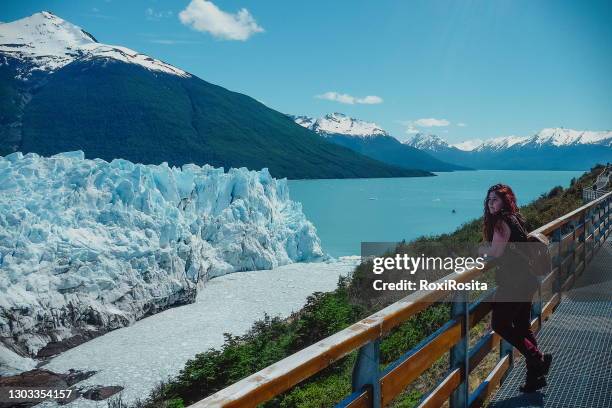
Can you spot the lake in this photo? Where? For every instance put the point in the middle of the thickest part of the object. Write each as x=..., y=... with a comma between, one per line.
x=349, y=211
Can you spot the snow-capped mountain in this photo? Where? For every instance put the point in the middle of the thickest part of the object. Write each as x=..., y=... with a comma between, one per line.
x=90, y=246
x=45, y=42
x=499, y=143
x=557, y=137
x=552, y=148
x=568, y=137
x=339, y=123
x=434, y=143
x=425, y=141
x=371, y=140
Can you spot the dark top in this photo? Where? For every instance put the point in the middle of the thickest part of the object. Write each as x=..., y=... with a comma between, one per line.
x=513, y=276
x=518, y=233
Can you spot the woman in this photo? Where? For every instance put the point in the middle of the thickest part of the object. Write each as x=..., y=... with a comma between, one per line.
x=516, y=285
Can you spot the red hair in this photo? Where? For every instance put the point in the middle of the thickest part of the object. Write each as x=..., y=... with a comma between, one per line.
x=505, y=193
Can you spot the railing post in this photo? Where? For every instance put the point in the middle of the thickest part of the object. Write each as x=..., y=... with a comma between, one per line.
x=602, y=224
x=574, y=260
x=592, y=230
x=609, y=205
x=582, y=239
x=606, y=217
x=506, y=349
x=536, y=307
x=607, y=214
x=559, y=259
x=595, y=226
x=599, y=222
x=459, y=354
x=366, y=371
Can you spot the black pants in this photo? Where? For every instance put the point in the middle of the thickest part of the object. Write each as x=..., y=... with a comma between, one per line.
x=512, y=321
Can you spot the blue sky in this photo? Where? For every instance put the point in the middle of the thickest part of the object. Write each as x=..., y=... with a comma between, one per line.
x=476, y=69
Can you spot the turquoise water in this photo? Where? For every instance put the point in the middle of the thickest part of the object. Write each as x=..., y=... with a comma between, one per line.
x=347, y=212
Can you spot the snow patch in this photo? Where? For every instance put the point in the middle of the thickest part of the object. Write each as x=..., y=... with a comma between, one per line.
x=566, y=137
x=338, y=123
x=424, y=141
x=557, y=137
x=47, y=43
x=500, y=143
x=468, y=145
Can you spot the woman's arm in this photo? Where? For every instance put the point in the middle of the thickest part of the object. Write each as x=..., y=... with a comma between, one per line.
x=501, y=235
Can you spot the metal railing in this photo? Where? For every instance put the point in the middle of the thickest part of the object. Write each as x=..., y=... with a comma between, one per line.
x=574, y=238
x=590, y=195
x=599, y=188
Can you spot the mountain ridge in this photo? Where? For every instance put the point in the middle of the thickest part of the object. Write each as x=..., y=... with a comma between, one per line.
x=548, y=149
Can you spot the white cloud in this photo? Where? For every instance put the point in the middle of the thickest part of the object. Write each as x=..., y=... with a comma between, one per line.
x=461, y=124
x=412, y=126
x=370, y=100
x=411, y=130
x=431, y=122
x=349, y=99
x=156, y=15
x=205, y=16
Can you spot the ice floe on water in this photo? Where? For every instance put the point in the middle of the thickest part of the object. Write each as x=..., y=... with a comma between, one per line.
x=155, y=348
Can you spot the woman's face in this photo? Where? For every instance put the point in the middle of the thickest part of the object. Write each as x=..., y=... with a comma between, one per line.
x=494, y=203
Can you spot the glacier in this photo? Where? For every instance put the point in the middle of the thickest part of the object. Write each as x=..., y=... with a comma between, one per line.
x=88, y=246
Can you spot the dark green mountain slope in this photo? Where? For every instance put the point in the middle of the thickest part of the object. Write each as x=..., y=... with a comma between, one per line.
x=110, y=109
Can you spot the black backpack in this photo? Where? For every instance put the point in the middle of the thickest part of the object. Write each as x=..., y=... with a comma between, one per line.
x=534, y=251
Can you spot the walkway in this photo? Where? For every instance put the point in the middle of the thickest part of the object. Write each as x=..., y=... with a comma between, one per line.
x=579, y=334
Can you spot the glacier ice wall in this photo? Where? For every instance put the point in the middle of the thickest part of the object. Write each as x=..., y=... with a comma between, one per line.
x=88, y=246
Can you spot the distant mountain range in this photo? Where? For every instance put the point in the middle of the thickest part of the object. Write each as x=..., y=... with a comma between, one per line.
x=62, y=90
x=549, y=149
x=371, y=140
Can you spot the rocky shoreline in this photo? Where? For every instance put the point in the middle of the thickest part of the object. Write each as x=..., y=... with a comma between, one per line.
x=48, y=380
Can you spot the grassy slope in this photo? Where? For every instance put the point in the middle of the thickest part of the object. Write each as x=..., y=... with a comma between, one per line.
x=110, y=109
x=272, y=339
